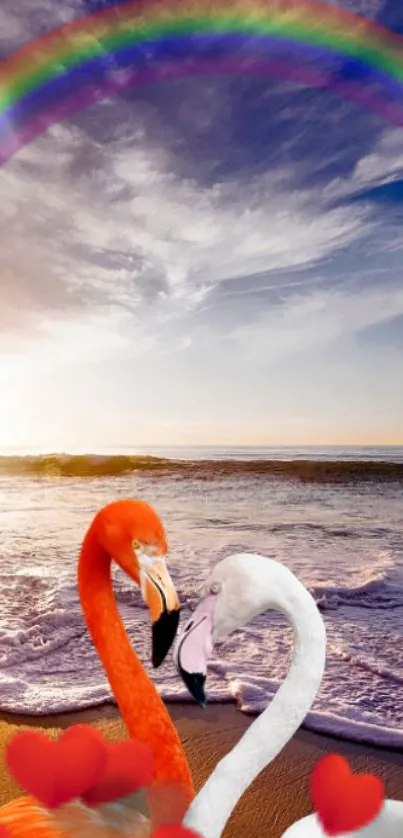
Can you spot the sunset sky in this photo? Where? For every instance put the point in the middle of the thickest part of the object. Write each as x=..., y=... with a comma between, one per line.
x=206, y=261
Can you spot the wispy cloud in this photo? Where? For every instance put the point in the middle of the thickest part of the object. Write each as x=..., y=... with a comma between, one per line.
x=316, y=320
x=117, y=227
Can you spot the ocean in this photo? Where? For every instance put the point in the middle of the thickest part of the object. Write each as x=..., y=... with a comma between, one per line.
x=333, y=515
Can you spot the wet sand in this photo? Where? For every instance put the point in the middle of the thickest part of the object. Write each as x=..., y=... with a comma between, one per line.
x=277, y=798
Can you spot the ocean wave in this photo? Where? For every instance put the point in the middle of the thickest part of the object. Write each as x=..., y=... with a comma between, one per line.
x=46, y=653
x=328, y=530
x=377, y=593
x=87, y=466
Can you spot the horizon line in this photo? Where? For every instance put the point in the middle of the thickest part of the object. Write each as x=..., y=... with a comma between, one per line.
x=35, y=450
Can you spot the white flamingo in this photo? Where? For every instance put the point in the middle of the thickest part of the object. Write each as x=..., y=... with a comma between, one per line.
x=239, y=588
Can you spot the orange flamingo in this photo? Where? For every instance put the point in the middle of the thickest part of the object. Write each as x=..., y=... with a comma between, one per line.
x=130, y=533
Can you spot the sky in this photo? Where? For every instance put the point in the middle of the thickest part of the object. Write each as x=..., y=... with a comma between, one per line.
x=203, y=261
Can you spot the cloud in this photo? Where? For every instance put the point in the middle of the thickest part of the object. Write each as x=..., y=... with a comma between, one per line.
x=368, y=8
x=22, y=21
x=384, y=163
x=318, y=319
x=200, y=237
x=381, y=165
x=89, y=227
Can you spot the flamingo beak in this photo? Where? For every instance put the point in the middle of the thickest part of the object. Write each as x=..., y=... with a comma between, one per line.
x=193, y=649
x=160, y=596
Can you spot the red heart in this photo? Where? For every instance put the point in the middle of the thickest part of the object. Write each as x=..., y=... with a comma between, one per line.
x=129, y=767
x=56, y=772
x=344, y=801
x=82, y=759
x=31, y=759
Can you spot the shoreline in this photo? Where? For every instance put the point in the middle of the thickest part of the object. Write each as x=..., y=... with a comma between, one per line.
x=108, y=709
x=276, y=799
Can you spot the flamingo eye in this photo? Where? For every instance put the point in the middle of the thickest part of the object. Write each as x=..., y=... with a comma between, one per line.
x=215, y=588
x=136, y=544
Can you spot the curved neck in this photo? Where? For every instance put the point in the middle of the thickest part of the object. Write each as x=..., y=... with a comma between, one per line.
x=143, y=710
x=271, y=731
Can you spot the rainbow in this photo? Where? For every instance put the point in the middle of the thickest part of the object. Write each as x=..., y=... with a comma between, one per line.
x=145, y=41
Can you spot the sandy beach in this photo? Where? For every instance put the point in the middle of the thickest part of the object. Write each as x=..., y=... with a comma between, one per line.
x=278, y=797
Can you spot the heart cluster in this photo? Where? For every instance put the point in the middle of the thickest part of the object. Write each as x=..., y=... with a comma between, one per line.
x=344, y=801
x=81, y=764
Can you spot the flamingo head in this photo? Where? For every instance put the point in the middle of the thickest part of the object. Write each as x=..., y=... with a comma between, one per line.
x=132, y=533
x=233, y=594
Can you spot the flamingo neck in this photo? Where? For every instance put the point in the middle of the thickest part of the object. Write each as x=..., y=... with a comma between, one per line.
x=142, y=708
x=271, y=731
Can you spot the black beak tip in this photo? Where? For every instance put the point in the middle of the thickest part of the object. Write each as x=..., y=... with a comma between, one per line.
x=163, y=635
x=195, y=681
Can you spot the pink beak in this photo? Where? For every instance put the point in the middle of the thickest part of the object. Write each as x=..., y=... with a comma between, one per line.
x=193, y=648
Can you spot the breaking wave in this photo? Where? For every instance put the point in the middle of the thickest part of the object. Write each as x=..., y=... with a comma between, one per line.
x=101, y=465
